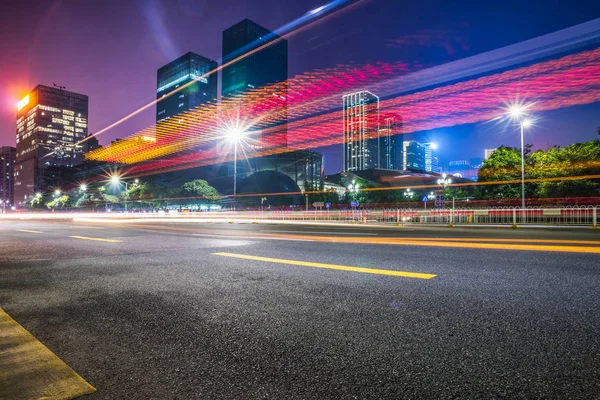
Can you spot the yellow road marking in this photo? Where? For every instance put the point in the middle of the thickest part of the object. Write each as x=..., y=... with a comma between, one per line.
x=465, y=245
x=29, y=370
x=29, y=231
x=97, y=239
x=331, y=266
x=503, y=240
x=501, y=244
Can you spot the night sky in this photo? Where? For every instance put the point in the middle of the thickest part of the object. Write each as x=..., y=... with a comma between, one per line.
x=110, y=51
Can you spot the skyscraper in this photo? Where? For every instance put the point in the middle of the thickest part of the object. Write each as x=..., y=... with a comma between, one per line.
x=190, y=69
x=431, y=157
x=361, y=131
x=390, y=143
x=7, y=176
x=50, y=120
x=266, y=66
x=255, y=57
x=414, y=155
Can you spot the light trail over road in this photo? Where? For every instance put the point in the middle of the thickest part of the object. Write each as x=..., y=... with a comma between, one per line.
x=170, y=309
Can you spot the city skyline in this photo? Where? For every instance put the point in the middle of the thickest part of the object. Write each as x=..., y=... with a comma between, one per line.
x=470, y=139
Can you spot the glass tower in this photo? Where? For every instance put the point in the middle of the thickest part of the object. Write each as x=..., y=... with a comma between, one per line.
x=189, y=69
x=254, y=57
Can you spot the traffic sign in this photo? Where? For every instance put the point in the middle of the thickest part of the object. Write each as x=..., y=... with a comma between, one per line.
x=354, y=203
x=327, y=205
x=440, y=201
x=424, y=199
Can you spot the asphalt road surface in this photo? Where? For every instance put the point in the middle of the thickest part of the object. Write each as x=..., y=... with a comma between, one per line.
x=157, y=310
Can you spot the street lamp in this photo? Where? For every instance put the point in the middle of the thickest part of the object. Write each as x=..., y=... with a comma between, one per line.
x=444, y=181
x=83, y=187
x=518, y=113
x=353, y=187
x=235, y=135
x=57, y=193
x=409, y=193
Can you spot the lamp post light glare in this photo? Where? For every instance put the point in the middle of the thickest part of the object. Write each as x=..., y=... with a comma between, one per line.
x=353, y=187
x=57, y=193
x=408, y=194
x=444, y=181
x=518, y=113
x=83, y=187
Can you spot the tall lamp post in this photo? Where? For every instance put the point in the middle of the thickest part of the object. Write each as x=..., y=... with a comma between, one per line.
x=353, y=188
x=444, y=181
x=115, y=179
x=517, y=112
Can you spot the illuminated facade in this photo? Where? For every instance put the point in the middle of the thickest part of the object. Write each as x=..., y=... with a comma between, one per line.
x=390, y=144
x=50, y=121
x=414, y=156
x=256, y=69
x=189, y=69
x=7, y=176
x=361, y=131
x=431, y=157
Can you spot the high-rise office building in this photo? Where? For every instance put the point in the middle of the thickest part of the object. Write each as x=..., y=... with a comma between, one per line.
x=414, y=155
x=190, y=69
x=390, y=143
x=431, y=157
x=7, y=175
x=254, y=69
x=50, y=121
x=361, y=131
x=254, y=57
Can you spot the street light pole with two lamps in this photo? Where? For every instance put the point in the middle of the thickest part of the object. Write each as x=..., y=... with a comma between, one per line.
x=444, y=181
x=115, y=179
x=517, y=112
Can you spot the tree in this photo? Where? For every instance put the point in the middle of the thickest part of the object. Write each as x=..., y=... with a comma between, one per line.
x=59, y=201
x=199, y=188
x=198, y=191
x=503, y=165
x=576, y=160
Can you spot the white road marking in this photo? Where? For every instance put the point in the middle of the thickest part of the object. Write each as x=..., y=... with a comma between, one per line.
x=320, y=232
x=250, y=237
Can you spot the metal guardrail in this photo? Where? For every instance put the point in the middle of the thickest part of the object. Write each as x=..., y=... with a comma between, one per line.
x=567, y=216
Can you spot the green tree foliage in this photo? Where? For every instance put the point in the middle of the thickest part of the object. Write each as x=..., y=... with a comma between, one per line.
x=198, y=191
x=503, y=165
x=199, y=188
x=59, y=201
x=552, y=170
